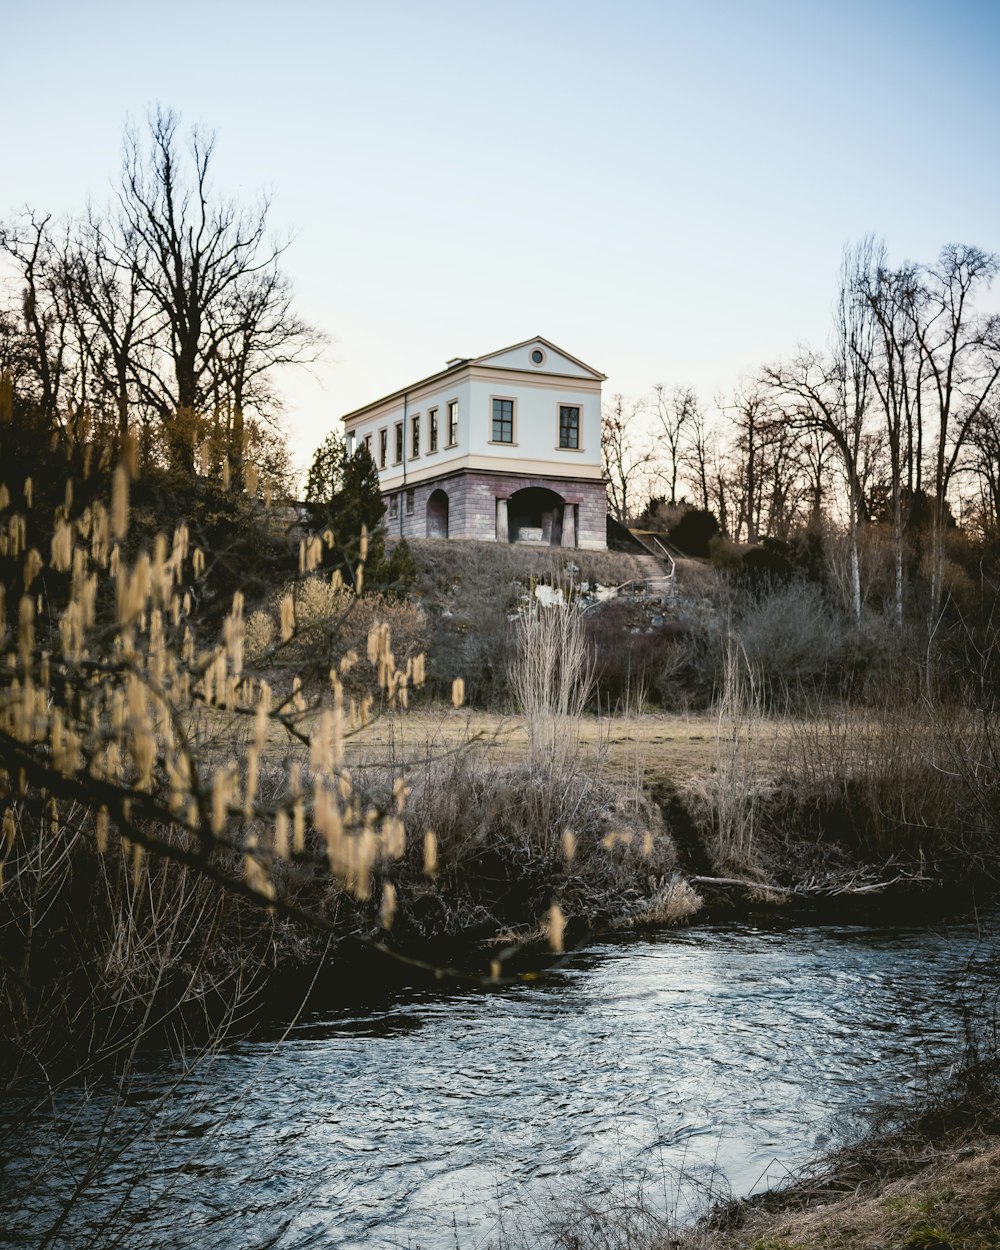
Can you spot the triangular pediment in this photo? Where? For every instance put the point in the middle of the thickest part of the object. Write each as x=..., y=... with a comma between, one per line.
x=525, y=357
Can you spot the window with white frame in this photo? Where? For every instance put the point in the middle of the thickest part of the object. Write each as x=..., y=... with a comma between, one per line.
x=432, y=429
x=415, y=436
x=410, y=502
x=569, y=426
x=393, y=506
x=398, y=443
x=453, y=423
x=503, y=421
x=383, y=447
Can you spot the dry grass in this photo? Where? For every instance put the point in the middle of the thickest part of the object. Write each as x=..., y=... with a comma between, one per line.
x=674, y=903
x=952, y=1203
x=477, y=569
x=330, y=622
x=909, y=779
x=731, y=792
x=673, y=747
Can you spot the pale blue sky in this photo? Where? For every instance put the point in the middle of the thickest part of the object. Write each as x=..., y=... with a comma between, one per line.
x=663, y=189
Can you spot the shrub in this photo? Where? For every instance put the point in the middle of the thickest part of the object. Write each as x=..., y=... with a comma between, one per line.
x=792, y=637
x=510, y=838
x=398, y=572
x=629, y=651
x=331, y=622
x=694, y=532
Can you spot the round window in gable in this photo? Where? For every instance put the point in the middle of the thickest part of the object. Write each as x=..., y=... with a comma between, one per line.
x=538, y=356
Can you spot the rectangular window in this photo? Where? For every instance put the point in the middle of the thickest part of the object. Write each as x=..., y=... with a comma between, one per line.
x=383, y=447
x=503, y=421
x=453, y=423
x=414, y=437
x=432, y=429
x=393, y=505
x=569, y=426
x=398, y=444
x=409, y=502
x=367, y=441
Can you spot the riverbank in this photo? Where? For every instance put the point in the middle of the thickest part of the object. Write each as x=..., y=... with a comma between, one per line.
x=497, y=843
x=845, y=816
x=926, y=1177
x=638, y=821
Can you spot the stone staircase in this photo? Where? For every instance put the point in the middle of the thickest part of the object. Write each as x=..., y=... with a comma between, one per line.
x=658, y=573
x=657, y=564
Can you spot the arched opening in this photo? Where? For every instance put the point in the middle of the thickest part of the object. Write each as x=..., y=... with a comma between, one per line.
x=535, y=515
x=437, y=515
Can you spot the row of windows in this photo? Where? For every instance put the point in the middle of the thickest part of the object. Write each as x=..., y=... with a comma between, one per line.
x=399, y=435
x=503, y=430
x=569, y=424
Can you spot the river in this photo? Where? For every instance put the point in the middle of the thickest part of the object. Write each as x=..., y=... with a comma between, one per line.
x=696, y=1061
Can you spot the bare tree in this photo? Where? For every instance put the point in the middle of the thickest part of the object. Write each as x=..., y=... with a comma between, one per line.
x=258, y=331
x=983, y=462
x=674, y=416
x=626, y=456
x=896, y=373
x=46, y=325
x=752, y=417
x=116, y=316
x=960, y=350
x=211, y=272
x=697, y=454
x=170, y=310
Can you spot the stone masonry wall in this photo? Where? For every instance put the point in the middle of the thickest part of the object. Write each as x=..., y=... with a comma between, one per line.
x=472, y=506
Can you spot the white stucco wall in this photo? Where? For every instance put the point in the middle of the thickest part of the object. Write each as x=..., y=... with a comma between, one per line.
x=427, y=463
x=536, y=421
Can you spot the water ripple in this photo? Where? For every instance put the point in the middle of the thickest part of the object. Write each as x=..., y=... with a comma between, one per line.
x=701, y=1058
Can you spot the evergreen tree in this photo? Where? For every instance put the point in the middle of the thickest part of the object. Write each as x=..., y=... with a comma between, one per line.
x=344, y=497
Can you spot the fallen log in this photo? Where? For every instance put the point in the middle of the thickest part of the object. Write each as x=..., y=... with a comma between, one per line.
x=832, y=891
x=746, y=885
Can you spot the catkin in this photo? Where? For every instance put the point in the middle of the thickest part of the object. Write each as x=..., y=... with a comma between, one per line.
x=119, y=502
x=556, y=927
x=387, y=911
x=430, y=853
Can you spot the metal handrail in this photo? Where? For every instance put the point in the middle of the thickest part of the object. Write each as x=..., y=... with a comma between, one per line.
x=662, y=553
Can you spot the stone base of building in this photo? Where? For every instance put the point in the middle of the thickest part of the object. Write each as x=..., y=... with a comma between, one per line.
x=502, y=507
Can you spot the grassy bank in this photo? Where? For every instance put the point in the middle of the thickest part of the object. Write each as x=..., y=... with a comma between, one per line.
x=635, y=820
x=925, y=1177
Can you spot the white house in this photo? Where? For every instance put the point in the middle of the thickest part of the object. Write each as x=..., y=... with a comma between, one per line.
x=504, y=447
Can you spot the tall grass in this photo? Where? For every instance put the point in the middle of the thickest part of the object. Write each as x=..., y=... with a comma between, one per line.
x=910, y=779
x=728, y=799
x=552, y=679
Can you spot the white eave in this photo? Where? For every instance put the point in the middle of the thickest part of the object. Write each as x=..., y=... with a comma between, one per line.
x=457, y=366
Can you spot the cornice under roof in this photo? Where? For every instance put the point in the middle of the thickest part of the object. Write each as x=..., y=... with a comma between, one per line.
x=468, y=364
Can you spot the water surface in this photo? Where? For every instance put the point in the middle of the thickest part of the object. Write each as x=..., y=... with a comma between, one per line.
x=692, y=1061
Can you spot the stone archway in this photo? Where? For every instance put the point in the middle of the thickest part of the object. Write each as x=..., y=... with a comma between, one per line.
x=535, y=515
x=437, y=515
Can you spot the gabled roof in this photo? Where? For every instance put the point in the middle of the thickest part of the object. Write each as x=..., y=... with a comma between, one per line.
x=488, y=361
x=485, y=360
